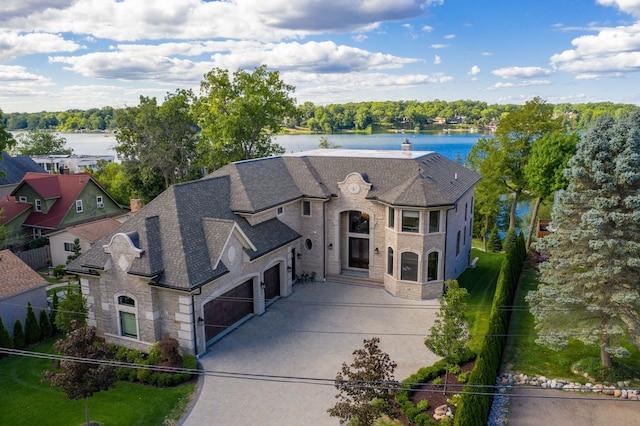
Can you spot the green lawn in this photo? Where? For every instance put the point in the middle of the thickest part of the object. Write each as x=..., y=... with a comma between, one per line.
x=480, y=282
x=523, y=355
x=26, y=401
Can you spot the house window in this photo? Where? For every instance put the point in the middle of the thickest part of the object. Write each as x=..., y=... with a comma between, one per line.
x=458, y=244
x=358, y=222
x=464, y=236
x=466, y=206
x=38, y=205
x=392, y=218
x=390, y=261
x=471, y=227
x=68, y=247
x=306, y=208
x=410, y=221
x=127, y=314
x=409, y=266
x=22, y=199
x=99, y=202
x=471, y=205
x=280, y=210
x=434, y=221
x=432, y=266
x=79, y=208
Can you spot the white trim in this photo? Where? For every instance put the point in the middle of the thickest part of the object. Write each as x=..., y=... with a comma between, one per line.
x=79, y=206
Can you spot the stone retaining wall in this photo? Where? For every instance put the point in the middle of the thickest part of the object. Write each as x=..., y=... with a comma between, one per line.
x=619, y=390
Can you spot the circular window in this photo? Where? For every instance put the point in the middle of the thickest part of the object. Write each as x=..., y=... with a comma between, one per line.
x=308, y=244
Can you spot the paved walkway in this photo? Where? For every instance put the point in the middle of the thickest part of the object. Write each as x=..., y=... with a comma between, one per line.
x=308, y=334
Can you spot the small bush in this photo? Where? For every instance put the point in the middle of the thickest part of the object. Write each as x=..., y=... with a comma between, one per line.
x=454, y=369
x=45, y=325
x=423, y=405
x=31, y=327
x=58, y=271
x=5, y=339
x=463, y=377
x=424, y=419
x=437, y=381
x=615, y=373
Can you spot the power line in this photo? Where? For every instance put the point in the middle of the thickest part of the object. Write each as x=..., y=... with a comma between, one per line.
x=382, y=385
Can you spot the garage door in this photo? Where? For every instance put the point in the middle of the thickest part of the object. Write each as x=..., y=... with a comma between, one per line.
x=272, y=282
x=228, y=309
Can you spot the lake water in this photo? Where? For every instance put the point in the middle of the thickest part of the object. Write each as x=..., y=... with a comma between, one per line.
x=449, y=145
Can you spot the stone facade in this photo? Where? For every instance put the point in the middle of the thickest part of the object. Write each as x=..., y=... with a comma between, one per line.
x=169, y=270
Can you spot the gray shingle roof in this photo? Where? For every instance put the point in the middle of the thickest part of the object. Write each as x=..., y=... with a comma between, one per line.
x=419, y=179
x=15, y=168
x=176, y=236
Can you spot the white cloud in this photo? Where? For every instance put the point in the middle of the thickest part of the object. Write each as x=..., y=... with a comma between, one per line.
x=359, y=37
x=450, y=36
x=437, y=60
x=631, y=7
x=13, y=74
x=520, y=84
x=14, y=45
x=439, y=46
x=427, y=29
x=612, y=50
x=475, y=70
x=521, y=72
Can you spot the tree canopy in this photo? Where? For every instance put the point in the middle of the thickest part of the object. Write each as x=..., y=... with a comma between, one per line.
x=40, y=142
x=502, y=157
x=157, y=143
x=590, y=287
x=238, y=116
x=366, y=386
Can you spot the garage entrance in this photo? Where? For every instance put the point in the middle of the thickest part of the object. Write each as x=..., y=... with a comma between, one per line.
x=226, y=310
x=272, y=282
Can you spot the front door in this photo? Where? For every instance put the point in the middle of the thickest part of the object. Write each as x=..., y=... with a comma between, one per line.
x=358, y=253
x=272, y=282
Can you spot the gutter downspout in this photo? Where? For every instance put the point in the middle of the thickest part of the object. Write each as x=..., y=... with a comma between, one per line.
x=194, y=321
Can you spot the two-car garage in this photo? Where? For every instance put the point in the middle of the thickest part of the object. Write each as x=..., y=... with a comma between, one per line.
x=234, y=305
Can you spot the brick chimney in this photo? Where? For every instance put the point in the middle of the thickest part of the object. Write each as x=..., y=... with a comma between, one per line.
x=135, y=204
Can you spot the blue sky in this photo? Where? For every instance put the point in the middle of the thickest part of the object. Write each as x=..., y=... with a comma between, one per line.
x=63, y=54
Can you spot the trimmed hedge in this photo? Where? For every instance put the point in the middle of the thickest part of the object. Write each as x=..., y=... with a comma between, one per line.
x=475, y=401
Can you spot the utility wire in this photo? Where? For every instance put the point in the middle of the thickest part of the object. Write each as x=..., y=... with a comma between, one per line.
x=382, y=385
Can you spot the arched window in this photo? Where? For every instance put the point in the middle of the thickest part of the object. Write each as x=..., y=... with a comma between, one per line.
x=432, y=266
x=127, y=315
x=390, y=261
x=409, y=266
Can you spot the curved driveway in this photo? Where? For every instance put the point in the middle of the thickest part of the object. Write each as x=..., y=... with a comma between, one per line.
x=307, y=335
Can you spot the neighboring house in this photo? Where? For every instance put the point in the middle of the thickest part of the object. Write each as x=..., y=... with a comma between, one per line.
x=19, y=285
x=55, y=202
x=204, y=255
x=70, y=163
x=13, y=169
x=61, y=242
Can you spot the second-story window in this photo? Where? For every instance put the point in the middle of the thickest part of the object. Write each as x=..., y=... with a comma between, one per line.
x=99, y=202
x=306, y=208
x=434, y=221
x=410, y=221
x=79, y=208
x=38, y=205
x=392, y=218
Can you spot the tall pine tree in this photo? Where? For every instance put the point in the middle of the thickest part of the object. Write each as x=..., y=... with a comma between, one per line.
x=590, y=287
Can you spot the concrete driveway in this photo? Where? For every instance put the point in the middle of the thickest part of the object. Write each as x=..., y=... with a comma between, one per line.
x=302, y=338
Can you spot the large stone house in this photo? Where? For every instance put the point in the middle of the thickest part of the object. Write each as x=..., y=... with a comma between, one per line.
x=204, y=255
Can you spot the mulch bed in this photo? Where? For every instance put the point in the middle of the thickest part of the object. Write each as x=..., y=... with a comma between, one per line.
x=434, y=393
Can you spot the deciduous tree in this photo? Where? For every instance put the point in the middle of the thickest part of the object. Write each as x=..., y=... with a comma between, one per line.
x=366, y=386
x=544, y=170
x=449, y=335
x=589, y=289
x=81, y=379
x=40, y=142
x=159, y=140
x=239, y=114
x=502, y=157
x=72, y=309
